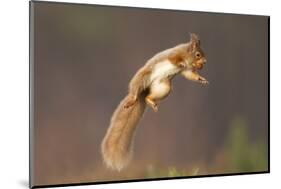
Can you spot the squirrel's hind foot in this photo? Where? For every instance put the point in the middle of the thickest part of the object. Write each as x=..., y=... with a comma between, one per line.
x=152, y=104
x=130, y=102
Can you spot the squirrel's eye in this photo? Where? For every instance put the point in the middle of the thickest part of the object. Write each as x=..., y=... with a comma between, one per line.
x=197, y=55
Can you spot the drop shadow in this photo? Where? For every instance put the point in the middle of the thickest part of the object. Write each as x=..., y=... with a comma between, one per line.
x=24, y=183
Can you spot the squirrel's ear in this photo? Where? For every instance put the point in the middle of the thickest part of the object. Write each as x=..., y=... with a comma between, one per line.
x=194, y=41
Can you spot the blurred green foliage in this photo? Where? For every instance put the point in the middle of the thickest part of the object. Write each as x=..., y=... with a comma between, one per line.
x=240, y=155
x=243, y=155
x=153, y=172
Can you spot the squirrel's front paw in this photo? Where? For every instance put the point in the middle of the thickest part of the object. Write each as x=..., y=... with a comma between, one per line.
x=182, y=65
x=203, y=81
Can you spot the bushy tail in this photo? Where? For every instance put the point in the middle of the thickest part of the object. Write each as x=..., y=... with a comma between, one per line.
x=117, y=144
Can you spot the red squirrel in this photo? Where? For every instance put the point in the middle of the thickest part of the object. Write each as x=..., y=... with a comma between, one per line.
x=150, y=85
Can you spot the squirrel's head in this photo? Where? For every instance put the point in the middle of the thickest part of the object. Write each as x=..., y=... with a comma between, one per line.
x=196, y=56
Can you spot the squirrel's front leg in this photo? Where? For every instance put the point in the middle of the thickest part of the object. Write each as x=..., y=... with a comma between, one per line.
x=194, y=76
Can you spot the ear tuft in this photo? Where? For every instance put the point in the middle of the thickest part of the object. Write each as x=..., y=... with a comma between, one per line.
x=194, y=40
x=194, y=37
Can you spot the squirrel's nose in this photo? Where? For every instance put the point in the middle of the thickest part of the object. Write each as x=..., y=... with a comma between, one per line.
x=204, y=61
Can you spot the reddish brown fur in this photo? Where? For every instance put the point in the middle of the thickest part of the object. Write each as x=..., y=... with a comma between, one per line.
x=117, y=143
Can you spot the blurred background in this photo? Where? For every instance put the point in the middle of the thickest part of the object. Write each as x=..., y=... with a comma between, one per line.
x=84, y=58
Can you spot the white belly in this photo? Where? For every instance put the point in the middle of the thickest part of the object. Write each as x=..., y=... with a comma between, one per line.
x=159, y=90
x=163, y=70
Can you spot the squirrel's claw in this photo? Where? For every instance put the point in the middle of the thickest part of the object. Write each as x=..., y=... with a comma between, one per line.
x=155, y=108
x=203, y=81
x=130, y=102
x=152, y=104
x=127, y=105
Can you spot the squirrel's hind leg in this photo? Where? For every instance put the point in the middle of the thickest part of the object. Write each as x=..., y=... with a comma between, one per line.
x=158, y=91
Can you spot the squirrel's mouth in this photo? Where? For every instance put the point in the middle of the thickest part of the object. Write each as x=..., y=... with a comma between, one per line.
x=197, y=66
